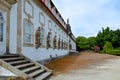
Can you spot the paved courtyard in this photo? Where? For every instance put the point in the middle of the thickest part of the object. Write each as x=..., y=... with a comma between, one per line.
x=86, y=66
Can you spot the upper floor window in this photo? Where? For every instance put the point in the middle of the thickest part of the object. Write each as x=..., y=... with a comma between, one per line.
x=28, y=32
x=1, y=27
x=55, y=28
x=54, y=10
x=49, y=25
x=42, y=19
x=48, y=4
x=28, y=8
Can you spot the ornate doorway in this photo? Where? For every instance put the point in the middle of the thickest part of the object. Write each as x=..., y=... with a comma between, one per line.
x=2, y=32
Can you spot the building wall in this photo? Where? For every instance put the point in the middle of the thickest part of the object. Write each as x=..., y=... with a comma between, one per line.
x=13, y=29
x=30, y=50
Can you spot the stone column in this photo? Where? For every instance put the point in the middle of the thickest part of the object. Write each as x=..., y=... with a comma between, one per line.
x=19, y=26
x=8, y=32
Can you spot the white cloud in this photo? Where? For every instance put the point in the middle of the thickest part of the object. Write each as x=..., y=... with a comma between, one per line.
x=88, y=16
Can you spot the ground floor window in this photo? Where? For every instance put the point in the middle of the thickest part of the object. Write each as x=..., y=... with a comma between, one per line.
x=1, y=27
x=1, y=32
x=28, y=32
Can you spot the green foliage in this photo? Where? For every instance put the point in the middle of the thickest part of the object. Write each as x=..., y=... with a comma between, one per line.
x=117, y=48
x=103, y=36
x=101, y=52
x=84, y=43
x=114, y=52
x=107, y=46
x=91, y=42
x=108, y=35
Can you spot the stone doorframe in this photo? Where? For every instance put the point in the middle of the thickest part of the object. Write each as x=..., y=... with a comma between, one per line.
x=6, y=6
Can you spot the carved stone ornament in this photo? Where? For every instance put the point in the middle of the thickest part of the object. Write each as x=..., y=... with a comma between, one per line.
x=70, y=46
x=37, y=38
x=62, y=44
x=54, y=42
x=48, y=40
x=59, y=43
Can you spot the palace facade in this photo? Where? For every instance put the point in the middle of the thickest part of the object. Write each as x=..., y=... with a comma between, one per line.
x=35, y=29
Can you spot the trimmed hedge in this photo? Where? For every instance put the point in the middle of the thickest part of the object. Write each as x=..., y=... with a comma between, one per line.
x=107, y=46
x=101, y=51
x=113, y=52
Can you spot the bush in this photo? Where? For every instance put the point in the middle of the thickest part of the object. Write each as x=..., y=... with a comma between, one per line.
x=117, y=48
x=101, y=52
x=96, y=48
x=113, y=52
x=107, y=46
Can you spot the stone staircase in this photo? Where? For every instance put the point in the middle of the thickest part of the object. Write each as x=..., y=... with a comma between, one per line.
x=24, y=67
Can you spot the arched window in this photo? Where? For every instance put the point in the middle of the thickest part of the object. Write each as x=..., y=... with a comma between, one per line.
x=1, y=27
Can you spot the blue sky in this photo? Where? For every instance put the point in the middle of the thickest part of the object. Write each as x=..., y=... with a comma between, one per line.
x=87, y=17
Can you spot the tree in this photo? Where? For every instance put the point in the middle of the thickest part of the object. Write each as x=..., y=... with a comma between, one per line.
x=91, y=42
x=116, y=38
x=84, y=43
x=104, y=36
x=81, y=42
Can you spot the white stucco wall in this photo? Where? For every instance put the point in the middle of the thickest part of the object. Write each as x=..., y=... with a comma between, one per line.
x=13, y=29
x=32, y=52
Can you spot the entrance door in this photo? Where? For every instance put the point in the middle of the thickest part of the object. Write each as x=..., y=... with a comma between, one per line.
x=2, y=33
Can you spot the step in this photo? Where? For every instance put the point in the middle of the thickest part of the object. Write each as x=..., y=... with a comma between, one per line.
x=13, y=59
x=37, y=73
x=19, y=62
x=24, y=66
x=31, y=69
x=9, y=56
x=44, y=76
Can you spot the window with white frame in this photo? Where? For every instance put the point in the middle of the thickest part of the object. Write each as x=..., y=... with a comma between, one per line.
x=49, y=25
x=55, y=28
x=28, y=27
x=42, y=19
x=1, y=27
x=48, y=4
x=53, y=10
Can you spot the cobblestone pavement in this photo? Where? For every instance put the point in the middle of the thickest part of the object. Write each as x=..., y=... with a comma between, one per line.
x=86, y=66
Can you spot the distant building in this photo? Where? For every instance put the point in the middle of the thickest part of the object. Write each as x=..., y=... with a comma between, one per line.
x=34, y=28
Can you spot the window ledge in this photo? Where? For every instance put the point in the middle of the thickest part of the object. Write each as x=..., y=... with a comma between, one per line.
x=28, y=45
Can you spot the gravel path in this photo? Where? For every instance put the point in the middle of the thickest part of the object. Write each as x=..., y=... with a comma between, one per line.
x=87, y=66
x=109, y=70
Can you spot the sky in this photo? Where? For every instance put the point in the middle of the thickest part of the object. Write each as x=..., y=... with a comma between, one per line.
x=87, y=17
